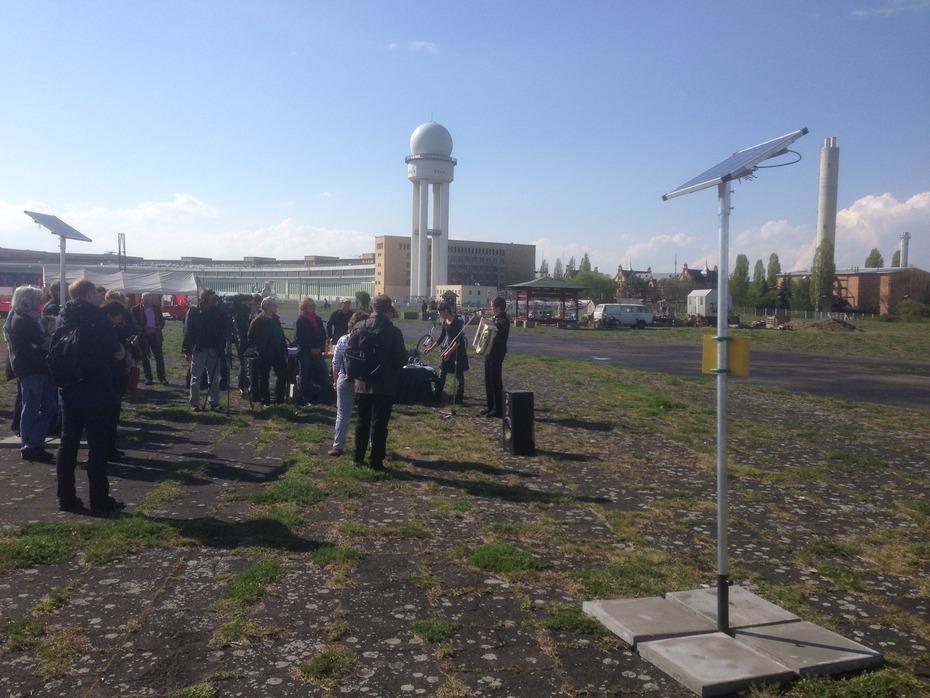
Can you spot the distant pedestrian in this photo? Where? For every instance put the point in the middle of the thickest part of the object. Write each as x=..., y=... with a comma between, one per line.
x=376, y=397
x=266, y=337
x=494, y=361
x=151, y=324
x=203, y=345
x=28, y=344
x=87, y=404
x=53, y=304
x=339, y=320
x=345, y=387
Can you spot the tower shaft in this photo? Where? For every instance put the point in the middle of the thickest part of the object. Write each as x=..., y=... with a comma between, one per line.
x=829, y=187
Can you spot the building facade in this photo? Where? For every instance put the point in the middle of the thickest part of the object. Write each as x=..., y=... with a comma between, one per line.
x=496, y=264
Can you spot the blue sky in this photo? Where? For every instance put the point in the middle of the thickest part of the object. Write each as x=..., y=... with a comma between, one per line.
x=280, y=128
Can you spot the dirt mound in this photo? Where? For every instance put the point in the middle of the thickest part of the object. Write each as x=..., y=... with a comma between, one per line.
x=829, y=325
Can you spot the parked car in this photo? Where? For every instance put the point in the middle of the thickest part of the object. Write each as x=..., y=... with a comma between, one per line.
x=608, y=315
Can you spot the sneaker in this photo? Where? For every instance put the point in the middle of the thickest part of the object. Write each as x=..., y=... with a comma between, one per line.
x=195, y=408
x=334, y=452
x=164, y=381
x=149, y=381
x=217, y=407
x=37, y=455
x=484, y=413
x=70, y=504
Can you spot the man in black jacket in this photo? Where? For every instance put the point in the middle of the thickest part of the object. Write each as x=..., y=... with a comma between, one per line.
x=494, y=361
x=88, y=404
x=376, y=399
x=339, y=321
x=203, y=345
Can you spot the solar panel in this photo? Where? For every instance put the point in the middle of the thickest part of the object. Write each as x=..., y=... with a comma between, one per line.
x=739, y=164
x=57, y=226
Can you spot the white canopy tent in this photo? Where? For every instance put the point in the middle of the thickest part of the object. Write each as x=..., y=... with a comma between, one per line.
x=167, y=283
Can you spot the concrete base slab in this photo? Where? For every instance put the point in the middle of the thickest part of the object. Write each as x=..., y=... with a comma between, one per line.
x=713, y=664
x=809, y=649
x=650, y=618
x=746, y=608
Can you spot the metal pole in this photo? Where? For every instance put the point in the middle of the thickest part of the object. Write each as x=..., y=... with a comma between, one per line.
x=723, y=582
x=62, y=284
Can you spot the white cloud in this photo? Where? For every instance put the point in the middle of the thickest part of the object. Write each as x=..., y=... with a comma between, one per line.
x=392, y=46
x=871, y=221
x=425, y=46
x=889, y=8
x=184, y=225
x=642, y=254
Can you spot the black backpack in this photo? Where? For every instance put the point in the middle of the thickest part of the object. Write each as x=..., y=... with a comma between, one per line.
x=364, y=355
x=65, y=366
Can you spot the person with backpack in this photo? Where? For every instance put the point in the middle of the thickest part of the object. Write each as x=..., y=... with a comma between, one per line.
x=203, y=345
x=375, y=354
x=345, y=387
x=81, y=357
x=266, y=337
x=28, y=344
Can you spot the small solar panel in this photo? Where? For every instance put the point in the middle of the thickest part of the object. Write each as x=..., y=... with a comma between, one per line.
x=57, y=226
x=739, y=164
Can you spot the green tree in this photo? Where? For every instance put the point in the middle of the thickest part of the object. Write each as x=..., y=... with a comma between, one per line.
x=823, y=273
x=570, y=268
x=896, y=258
x=633, y=286
x=800, y=294
x=363, y=301
x=599, y=287
x=544, y=268
x=739, y=280
x=773, y=270
x=557, y=272
x=676, y=288
x=585, y=263
x=784, y=293
x=874, y=260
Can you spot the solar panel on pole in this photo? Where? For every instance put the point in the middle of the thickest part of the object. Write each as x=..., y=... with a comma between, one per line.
x=64, y=232
x=741, y=164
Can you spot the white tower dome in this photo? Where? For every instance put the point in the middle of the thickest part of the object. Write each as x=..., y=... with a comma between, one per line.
x=431, y=139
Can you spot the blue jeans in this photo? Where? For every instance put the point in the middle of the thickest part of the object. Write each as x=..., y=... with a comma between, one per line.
x=39, y=404
x=314, y=379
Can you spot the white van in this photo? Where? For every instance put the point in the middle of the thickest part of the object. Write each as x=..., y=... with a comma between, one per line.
x=622, y=315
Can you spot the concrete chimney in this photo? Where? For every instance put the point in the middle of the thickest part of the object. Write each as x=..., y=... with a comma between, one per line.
x=826, y=200
x=905, y=238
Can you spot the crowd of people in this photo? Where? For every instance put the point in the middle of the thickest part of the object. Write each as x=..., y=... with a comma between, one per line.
x=74, y=363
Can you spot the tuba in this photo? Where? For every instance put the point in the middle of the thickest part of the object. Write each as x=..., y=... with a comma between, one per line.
x=484, y=336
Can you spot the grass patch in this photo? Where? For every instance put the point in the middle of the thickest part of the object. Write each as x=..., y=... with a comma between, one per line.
x=846, y=458
x=57, y=652
x=572, y=620
x=197, y=690
x=238, y=631
x=887, y=683
x=251, y=585
x=293, y=486
x=166, y=413
x=843, y=577
x=638, y=573
x=312, y=436
x=449, y=508
x=625, y=525
x=159, y=495
x=330, y=666
x=504, y=558
x=357, y=529
x=24, y=634
x=434, y=629
x=329, y=554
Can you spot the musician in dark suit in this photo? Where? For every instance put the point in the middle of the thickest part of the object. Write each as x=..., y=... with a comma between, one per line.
x=494, y=361
x=454, y=352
